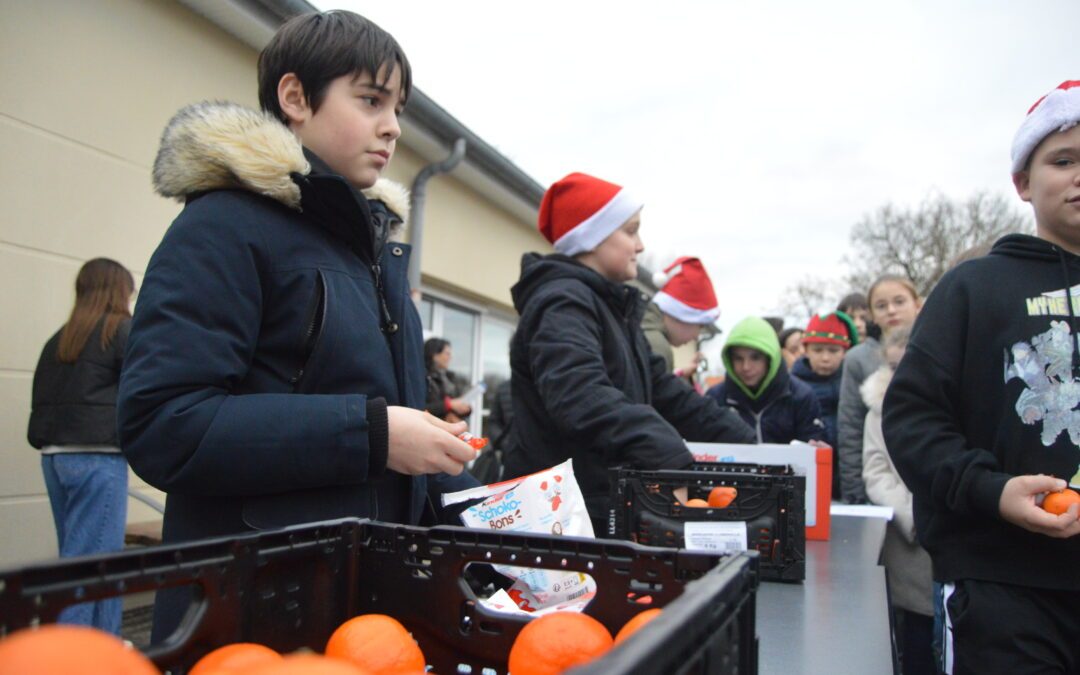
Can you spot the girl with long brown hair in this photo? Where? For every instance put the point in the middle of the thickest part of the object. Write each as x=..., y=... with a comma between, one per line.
x=894, y=303
x=73, y=424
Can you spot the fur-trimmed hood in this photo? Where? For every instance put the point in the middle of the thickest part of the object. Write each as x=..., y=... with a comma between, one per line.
x=873, y=388
x=217, y=145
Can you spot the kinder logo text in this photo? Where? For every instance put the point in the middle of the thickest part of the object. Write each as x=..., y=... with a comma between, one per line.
x=503, y=511
x=500, y=509
x=709, y=457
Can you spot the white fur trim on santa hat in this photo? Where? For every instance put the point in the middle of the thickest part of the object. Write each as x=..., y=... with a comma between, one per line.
x=1058, y=111
x=589, y=233
x=683, y=312
x=660, y=279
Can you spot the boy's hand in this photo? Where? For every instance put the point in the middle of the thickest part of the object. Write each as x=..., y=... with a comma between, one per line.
x=1017, y=505
x=460, y=407
x=421, y=443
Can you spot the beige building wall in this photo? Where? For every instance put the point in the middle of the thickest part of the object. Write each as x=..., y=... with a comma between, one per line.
x=87, y=90
x=472, y=246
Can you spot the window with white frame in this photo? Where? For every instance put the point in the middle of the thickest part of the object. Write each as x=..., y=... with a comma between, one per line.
x=480, y=342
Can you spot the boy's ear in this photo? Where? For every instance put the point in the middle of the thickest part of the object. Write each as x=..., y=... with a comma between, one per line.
x=292, y=100
x=1022, y=183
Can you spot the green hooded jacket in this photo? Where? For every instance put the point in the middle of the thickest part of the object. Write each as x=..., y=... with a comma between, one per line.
x=754, y=333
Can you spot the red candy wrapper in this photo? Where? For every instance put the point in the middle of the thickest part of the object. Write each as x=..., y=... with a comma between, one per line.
x=477, y=443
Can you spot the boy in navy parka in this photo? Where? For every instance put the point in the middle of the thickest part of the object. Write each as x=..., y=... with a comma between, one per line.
x=274, y=373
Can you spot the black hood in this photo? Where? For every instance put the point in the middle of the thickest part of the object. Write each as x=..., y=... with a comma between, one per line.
x=538, y=270
x=1032, y=248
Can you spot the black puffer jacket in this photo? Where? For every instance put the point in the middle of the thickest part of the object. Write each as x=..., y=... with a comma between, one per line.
x=585, y=385
x=75, y=403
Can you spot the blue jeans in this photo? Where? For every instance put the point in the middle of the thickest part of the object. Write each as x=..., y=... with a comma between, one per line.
x=938, y=642
x=88, y=493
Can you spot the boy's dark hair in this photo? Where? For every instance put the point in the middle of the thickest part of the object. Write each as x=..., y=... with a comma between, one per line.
x=852, y=302
x=786, y=333
x=323, y=46
x=776, y=322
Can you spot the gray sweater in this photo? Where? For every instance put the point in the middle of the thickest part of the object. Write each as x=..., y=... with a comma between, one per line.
x=859, y=363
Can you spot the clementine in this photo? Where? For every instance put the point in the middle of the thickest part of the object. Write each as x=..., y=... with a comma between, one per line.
x=377, y=643
x=306, y=664
x=697, y=503
x=633, y=625
x=237, y=656
x=56, y=649
x=1059, y=502
x=721, y=497
x=556, y=642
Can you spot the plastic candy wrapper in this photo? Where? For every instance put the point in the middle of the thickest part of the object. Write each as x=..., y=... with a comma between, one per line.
x=546, y=502
x=475, y=442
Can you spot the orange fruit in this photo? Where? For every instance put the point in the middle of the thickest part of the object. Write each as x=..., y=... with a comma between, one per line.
x=57, y=649
x=1059, y=502
x=305, y=664
x=377, y=643
x=632, y=626
x=237, y=656
x=556, y=642
x=697, y=503
x=721, y=497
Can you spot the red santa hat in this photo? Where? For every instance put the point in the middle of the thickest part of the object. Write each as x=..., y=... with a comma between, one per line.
x=686, y=293
x=1057, y=111
x=832, y=329
x=580, y=211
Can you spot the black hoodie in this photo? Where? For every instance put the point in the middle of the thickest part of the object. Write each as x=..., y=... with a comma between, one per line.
x=586, y=386
x=988, y=390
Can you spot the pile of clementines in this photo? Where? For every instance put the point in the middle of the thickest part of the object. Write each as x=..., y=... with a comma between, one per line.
x=371, y=644
x=719, y=498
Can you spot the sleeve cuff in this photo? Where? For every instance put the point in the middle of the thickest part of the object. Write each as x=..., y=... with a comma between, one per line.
x=986, y=493
x=680, y=460
x=378, y=436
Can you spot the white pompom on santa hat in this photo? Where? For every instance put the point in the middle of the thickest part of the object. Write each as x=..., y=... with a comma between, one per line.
x=1057, y=111
x=686, y=293
x=579, y=211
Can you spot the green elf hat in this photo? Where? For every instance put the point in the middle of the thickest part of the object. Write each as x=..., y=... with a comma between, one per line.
x=832, y=329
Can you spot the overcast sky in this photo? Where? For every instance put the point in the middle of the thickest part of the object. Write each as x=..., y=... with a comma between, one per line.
x=756, y=132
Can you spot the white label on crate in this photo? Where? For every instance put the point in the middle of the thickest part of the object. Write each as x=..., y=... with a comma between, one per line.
x=723, y=536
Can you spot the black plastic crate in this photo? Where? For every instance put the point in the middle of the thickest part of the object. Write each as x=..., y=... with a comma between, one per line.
x=771, y=500
x=290, y=589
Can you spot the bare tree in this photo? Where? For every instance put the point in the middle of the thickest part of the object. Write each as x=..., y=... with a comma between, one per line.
x=809, y=296
x=921, y=243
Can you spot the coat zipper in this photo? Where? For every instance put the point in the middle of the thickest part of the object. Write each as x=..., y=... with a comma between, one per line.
x=312, y=331
x=389, y=327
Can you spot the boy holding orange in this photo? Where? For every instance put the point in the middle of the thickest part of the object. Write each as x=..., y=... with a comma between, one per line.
x=982, y=425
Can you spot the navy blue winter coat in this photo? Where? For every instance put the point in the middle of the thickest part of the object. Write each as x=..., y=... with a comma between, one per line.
x=827, y=390
x=786, y=411
x=272, y=329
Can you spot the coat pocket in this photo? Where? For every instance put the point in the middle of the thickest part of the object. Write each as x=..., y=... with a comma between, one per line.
x=311, y=330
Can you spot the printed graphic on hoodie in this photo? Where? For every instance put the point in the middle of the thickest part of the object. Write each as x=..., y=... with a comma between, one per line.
x=1052, y=392
x=1052, y=303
